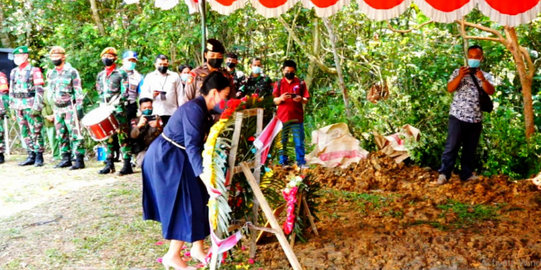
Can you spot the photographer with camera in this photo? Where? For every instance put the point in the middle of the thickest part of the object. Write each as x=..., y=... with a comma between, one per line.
x=145, y=129
x=469, y=84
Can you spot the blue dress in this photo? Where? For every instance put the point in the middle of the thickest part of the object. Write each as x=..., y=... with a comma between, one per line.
x=173, y=194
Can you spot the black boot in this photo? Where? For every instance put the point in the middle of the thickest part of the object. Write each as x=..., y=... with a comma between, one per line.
x=65, y=162
x=31, y=159
x=2, y=158
x=126, y=169
x=79, y=162
x=109, y=167
x=39, y=159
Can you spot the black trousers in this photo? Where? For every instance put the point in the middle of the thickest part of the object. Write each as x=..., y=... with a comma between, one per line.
x=460, y=134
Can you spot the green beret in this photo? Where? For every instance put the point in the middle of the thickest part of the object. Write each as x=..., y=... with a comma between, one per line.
x=20, y=50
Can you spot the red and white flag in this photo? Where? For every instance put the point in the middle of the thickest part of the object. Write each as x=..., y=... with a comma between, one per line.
x=264, y=140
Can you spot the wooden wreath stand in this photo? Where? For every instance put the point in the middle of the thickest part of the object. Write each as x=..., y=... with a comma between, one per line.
x=253, y=179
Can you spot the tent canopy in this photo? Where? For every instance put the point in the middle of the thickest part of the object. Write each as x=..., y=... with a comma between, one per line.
x=504, y=12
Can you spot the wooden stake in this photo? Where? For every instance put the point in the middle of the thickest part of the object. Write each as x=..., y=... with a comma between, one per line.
x=267, y=210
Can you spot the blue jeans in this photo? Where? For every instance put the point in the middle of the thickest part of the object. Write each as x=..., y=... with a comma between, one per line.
x=298, y=138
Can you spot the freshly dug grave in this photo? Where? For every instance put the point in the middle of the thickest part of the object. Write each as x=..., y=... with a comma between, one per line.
x=381, y=215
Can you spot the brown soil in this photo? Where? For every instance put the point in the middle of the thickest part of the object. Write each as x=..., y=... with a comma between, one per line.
x=410, y=229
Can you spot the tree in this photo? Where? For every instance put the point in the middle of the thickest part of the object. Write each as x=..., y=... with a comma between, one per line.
x=522, y=60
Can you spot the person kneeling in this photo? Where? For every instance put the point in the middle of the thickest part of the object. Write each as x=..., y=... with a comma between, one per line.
x=144, y=129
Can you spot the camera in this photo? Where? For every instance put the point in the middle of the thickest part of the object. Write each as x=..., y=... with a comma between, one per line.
x=150, y=117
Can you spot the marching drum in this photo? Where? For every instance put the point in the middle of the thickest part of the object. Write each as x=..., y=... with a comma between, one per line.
x=100, y=123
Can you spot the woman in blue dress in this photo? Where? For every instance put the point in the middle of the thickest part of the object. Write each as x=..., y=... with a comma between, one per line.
x=173, y=194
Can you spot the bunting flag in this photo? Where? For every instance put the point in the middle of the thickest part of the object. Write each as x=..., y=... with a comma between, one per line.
x=504, y=12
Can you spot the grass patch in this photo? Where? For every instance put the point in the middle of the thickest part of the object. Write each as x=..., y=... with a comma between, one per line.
x=363, y=199
x=469, y=214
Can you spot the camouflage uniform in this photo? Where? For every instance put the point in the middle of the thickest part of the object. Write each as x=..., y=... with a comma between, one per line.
x=195, y=81
x=4, y=89
x=261, y=85
x=26, y=92
x=110, y=87
x=67, y=96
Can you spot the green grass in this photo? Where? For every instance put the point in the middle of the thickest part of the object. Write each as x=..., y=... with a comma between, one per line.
x=469, y=214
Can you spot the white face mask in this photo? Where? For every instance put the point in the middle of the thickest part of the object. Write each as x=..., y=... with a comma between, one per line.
x=19, y=60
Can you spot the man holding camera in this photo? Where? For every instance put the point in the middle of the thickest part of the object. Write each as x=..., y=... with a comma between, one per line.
x=290, y=94
x=465, y=116
x=164, y=87
x=144, y=129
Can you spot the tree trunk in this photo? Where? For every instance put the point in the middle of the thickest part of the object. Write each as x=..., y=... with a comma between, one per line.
x=341, y=82
x=312, y=65
x=96, y=17
x=526, y=78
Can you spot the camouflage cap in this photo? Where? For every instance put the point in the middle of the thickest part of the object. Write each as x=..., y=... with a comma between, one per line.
x=57, y=50
x=108, y=50
x=21, y=50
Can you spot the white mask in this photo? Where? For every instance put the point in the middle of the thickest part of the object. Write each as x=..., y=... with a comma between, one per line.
x=19, y=60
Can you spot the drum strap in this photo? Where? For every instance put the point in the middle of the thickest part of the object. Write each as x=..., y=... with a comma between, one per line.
x=173, y=142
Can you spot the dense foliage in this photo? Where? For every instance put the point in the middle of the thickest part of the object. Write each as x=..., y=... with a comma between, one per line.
x=416, y=65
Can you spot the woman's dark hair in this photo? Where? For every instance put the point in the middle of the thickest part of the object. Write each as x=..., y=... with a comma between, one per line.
x=182, y=67
x=143, y=100
x=215, y=80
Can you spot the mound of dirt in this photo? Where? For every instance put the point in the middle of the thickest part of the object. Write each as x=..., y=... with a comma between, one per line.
x=381, y=215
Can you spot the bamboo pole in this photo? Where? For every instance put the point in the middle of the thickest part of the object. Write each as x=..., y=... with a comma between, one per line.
x=267, y=210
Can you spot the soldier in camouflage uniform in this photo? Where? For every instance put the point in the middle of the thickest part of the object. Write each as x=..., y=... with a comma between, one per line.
x=26, y=92
x=64, y=84
x=4, y=92
x=258, y=83
x=214, y=54
x=112, y=84
x=231, y=62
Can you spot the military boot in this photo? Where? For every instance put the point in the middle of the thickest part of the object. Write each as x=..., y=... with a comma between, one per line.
x=79, y=162
x=65, y=162
x=39, y=159
x=109, y=167
x=126, y=169
x=31, y=159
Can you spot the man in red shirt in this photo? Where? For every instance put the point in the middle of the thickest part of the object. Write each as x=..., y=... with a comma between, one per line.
x=290, y=94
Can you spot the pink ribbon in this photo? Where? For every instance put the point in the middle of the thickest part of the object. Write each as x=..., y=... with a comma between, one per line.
x=291, y=199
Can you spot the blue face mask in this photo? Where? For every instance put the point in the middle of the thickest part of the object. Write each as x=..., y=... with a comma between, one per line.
x=256, y=70
x=184, y=77
x=474, y=63
x=147, y=112
x=130, y=66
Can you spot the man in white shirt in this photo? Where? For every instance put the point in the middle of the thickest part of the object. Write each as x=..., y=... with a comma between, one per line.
x=164, y=87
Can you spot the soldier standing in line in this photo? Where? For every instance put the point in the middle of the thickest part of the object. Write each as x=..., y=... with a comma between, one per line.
x=64, y=85
x=26, y=92
x=112, y=85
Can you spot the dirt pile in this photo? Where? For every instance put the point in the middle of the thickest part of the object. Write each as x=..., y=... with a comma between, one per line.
x=381, y=215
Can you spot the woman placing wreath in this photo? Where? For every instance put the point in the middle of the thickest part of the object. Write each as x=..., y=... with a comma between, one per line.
x=173, y=194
